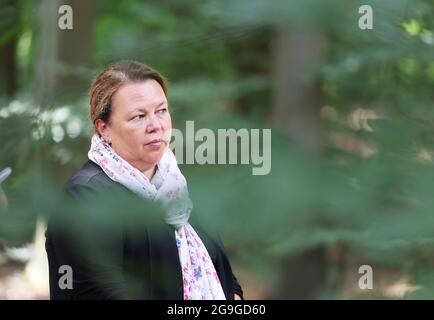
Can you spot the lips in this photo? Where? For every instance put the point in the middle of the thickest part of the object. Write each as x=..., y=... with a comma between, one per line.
x=155, y=142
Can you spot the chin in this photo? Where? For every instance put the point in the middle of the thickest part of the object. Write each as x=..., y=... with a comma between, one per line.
x=154, y=157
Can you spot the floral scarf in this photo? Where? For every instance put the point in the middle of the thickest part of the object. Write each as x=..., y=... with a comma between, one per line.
x=169, y=187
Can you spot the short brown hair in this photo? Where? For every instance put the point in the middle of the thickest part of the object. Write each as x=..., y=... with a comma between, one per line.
x=108, y=81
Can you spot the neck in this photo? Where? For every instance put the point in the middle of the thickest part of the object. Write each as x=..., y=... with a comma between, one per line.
x=149, y=173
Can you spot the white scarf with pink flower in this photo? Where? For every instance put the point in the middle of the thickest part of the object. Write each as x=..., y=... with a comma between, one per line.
x=169, y=187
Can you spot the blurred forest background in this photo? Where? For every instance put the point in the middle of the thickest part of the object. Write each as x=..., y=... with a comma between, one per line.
x=351, y=112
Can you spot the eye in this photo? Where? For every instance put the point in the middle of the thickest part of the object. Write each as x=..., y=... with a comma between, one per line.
x=161, y=111
x=138, y=117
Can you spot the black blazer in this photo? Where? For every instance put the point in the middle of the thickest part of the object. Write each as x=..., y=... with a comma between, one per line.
x=144, y=267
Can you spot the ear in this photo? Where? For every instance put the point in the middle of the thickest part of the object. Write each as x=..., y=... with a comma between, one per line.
x=103, y=129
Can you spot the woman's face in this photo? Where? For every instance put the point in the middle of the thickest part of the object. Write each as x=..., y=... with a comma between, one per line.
x=139, y=116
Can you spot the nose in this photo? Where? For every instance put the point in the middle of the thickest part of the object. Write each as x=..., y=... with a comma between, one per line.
x=153, y=125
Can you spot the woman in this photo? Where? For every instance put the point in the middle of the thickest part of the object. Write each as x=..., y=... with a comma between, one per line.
x=130, y=150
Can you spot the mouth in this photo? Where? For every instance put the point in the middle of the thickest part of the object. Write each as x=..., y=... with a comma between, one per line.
x=155, y=142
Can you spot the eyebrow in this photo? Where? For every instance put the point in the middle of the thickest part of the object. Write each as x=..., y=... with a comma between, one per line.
x=145, y=111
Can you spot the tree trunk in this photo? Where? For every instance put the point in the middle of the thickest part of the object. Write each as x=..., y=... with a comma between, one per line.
x=76, y=48
x=8, y=49
x=46, y=59
x=64, y=56
x=296, y=112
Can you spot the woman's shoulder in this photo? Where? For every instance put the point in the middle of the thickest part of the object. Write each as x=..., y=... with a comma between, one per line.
x=91, y=180
x=89, y=175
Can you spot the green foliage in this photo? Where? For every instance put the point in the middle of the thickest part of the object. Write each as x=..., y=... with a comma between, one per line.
x=378, y=204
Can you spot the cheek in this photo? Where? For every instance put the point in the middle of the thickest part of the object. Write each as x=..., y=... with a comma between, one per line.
x=167, y=122
x=132, y=138
x=167, y=126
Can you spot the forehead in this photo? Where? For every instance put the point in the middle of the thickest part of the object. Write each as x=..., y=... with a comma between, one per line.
x=146, y=94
